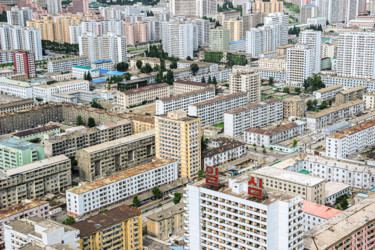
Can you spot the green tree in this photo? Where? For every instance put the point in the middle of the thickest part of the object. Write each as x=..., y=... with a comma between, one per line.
x=159, y=77
x=270, y=80
x=91, y=122
x=315, y=103
x=146, y=69
x=139, y=64
x=122, y=66
x=73, y=161
x=79, y=121
x=136, y=201
x=194, y=68
x=310, y=105
x=156, y=68
x=297, y=91
x=69, y=220
x=156, y=192
x=204, y=144
x=173, y=65
x=209, y=80
x=177, y=198
x=323, y=105
x=85, y=76
x=89, y=78
x=295, y=142
x=286, y=90
x=188, y=58
x=214, y=81
x=169, y=78
x=3, y=17
x=127, y=76
x=203, y=80
x=201, y=174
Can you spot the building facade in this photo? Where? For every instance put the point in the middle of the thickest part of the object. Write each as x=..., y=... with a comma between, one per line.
x=351, y=94
x=67, y=64
x=227, y=152
x=24, y=63
x=185, y=86
x=246, y=81
x=328, y=92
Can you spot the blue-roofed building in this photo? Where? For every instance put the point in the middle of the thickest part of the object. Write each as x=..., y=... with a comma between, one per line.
x=238, y=46
x=79, y=72
x=15, y=152
x=336, y=127
x=106, y=64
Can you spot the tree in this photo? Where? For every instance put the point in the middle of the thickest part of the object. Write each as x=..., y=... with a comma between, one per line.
x=85, y=76
x=270, y=80
x=203, y=80
x=91, y=122
x=3, y=17
x=201, y=174
x=169, y=78
x=73, y=161
x=69, y=220
x=146, y=69
x=177, y=198
x=189, y=58
x=122, y=66
x=159, y=77
x=156, y=192
x=295, y=142
x=323, y=105
x=79, y=121
x=204, y=143
x=139, y=64
x=214, y=81
x=286, y=90
x=310, y=105
x=96, y=105
x=194, y=68
x=173, y=65
x=315, y=103
x=89, y=78
x=156, y=67
x=297, y=91
x=264, y=151
x=136, y=202
x=209, y=80
x=127, y=76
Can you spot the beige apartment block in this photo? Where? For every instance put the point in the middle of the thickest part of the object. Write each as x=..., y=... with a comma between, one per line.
x=142, y=124
x=136, y=32
x=16, y=106
x=185, y=86
x=278, y=62
x=369, y=99
x=178, y=136
x=235, y=29
x=246, y=81
x=33, y=180
x=106, y=158
x=272, y=6
x=352, y=94
x=294, y=106
x=146, y=94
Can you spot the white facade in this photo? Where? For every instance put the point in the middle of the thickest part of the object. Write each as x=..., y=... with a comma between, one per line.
x=328, y=92
x=246, y=81
x=225, y=153
x=348, y=82
x=220, y=75
x=78, y=72
x=202, y=31
x=277, y=74
x=253, y=115
x=67, y=64
x=54, y=6
x=314, y=40
x=17, y=16
x=300, y=64
x=178, y=39
x=46, y=92
x=182, y=101
x=369, y=99
x=46, y=231
x=98, y=194
x=233, y=219
x=16, y=88
x=206, y=7
x=212, y=111
x=328, y=50
x=322, y=21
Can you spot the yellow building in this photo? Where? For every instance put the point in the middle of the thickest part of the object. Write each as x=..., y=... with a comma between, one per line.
x=142, y=124
x=273, y=6
x=118, y=228
x=235, y=29
x=178, y=136
x=294, y=106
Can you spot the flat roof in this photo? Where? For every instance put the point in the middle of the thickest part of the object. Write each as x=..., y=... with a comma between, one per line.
x=333, y=109
x=195, y=92
x=286, y=163
x=68, y=59
x=351, y=90
x=16, y=103
x=144, y=119
x=20, y=207
x=120, y=176
x=17, y=144
x=219, y=99
x=273, y=131
x=167, y=213
x=187, y=82
x=46, y=86
x=146, y=88
x=354, y=129
x=319, y=210
x=36, y=130
x=17, y=82
x=228, y=146
x=289, y=176
x=330, y=88
x=105, y=220
x=254, y=105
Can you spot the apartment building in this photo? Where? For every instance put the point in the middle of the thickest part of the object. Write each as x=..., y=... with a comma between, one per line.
x=246, y=81
x=219, y=39
x=45, y=92
x=277, y=74
x=186, y=86
x=235, y=28
x=163, y=224
x=137, y=32
x=351, y=94
x=19, y=16
x=227, y=216
x=112, y=156
x=15, y=152
x=118, y=228
x=45, y=231
x=36, y=133
x=212, y=111
x=294, y=106
x=67, y=64
x=253, y=115
x=308, y=187
x=278, y=62
x=34, y=245
x=352, y=228
x=268, y=137
x=220, y=75
x=24, y=63
x=178, y=38
x=335, y=190
x=300, y=64
x=351, y=140
x=16, y=88
x=313, y=39
x=70, y=142
x=348, y=82
x=79, y=72
x=182, y=101
x=328, y=92
x=331, y=115
x=25, y=209
x=84, y=199
x=369, y=99
x=178, y=137
x=328, y=50
x=52, y=175
x=227, y=152
x=148, y=93
x=260, y=6
x=316, y=214
x=142, y=124
x=16, y=106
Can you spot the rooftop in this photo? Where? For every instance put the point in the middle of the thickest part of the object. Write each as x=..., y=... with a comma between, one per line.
x=144, y=119
x=18, y=208
x=146, y=88
x=83, y=67
x=167, y=213
x=120, y=176
x=227, y=146
x=219, y=99
x=187, y=82
x=289, y=176
x=59, y=84
x=319, y=210
x=36, y=130
x=17, y=83
x=351, y=90
x=274, y=130
x=17, y=144
x=195, y=92
x=354, y=129
x=333, y=109
x=35, y=245
x=16, y=103
x=106, y=219
x=330, y=88
x=253, y=106
x=68, y=59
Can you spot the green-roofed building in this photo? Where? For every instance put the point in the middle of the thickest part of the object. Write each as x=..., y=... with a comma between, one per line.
x=15, y=152
x=304, y=172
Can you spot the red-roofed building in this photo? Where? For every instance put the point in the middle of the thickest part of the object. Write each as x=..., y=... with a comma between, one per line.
x=316, y=214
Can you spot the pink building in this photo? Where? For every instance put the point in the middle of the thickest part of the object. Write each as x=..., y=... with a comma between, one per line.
x=136, y=32
x=32, y=5
x=28, y=208
x=316, y=214
x=77, y=6
x=24, y=63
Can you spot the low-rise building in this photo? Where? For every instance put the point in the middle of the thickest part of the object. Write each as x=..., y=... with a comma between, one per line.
x=294, y=107
x=351, y=229
x=253, y=115
x=186, y=86
x=220, y=75
x=34, y=245
x=267, y=137
x=118, y=228
x=212, y=111
x=79, y=72
x=277, y=74
x=351, y=94
x=25, y=209
x=15, y=152
x=46, y=231
x=17, y=88
x=351, y=140
x=67, y=64
x=109, y=157
x=348, y=82
x=103, y=193
x=36, y=133
x=105, y=64
x=182, y=101
x=145, y=94
x=310, y=188
x=369, y=99
x=316, y=214
x=45, y=92
x=328, y=92
x=227, y=152
x=34, y=180
x=74, y=96
x=278, y=62
x=69, y=143
x=16, y=106
x=335, y=190
x=166, y=223
x=321, y=119
x=142, y=124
